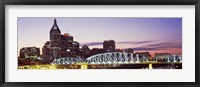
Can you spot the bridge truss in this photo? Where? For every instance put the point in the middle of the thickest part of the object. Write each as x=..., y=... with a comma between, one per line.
x=117, y=58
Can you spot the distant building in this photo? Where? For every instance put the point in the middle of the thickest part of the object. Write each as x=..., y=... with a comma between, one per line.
x=66, y=41
x=29, y=52
x=118, y=50
x=69, y=47
x=146, y=54
x=129, y=50
x=75, y=46
x=68, y=37
x=95, y=51
x=85, y=51
x=109, y=45
x=46, y=50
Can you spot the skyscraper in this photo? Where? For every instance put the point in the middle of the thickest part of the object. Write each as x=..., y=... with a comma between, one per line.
x=85, y=51
x=69, y=47
x=55, y=41
x=46, y=50
x=29, y=52
x=60, y=45
x=109, y=45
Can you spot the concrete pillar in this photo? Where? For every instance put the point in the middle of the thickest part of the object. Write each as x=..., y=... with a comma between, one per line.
x=84, y=66
x=150, y=66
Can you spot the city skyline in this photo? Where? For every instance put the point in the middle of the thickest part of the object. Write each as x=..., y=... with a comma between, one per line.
x=142, y=34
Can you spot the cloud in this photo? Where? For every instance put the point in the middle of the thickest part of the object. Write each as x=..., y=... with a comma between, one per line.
x=142, y=42
x=92, y=43
x=124, y=42
x=166, y=45
x=136, y=42
x=150, y=44
x=143, y=48
x=160, y=46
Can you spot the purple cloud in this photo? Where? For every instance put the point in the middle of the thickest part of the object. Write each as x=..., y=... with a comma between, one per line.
x=125, y=42
x=160, y=46
x=151, y=46
x=92, y=43
x=166, y=45
x=143, y=48
x=136, y=42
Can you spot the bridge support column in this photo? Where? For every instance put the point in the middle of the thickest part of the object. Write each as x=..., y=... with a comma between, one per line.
x=150, y=66
x=84, y=66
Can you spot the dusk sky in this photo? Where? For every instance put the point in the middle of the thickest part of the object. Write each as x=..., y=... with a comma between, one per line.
x=142, y=34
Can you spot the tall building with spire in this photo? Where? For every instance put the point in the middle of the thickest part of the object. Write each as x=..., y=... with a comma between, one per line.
x=55, y=41
x=60, y=45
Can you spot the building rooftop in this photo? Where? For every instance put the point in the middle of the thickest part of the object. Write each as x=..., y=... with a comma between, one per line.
x=108, y=40
x=66, y=34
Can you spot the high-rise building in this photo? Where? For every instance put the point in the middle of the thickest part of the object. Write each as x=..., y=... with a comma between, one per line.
x=46, y=50
x=29, y=52
x=66, y=42
x=59, y=45
x=69, y=47
x=75, y=46
x=109, y=45
x=68, y=37
x=85, y=51
x=55, y=41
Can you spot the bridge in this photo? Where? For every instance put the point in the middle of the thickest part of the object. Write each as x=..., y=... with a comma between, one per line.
x=118, y=58
x=110, y=60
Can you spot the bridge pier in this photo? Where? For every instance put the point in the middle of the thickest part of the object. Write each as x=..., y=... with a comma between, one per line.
x=84, y=66
x=150, y=66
